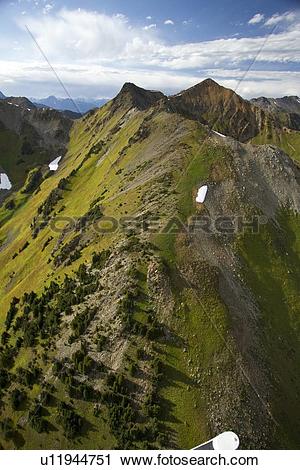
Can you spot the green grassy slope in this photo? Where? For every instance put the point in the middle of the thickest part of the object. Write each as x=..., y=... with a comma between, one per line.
x=271, y=268
x=14, y=162
x=286, y=139
x=123, y=182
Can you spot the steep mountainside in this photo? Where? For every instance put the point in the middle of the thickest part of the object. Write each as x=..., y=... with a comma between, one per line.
x=289, y=104
x=286, y=109
x=286, y=133
x=133, y=317
x=29, y=138
x=222, y=109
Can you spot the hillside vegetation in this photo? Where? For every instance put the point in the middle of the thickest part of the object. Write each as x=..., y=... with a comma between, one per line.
x=124, y=323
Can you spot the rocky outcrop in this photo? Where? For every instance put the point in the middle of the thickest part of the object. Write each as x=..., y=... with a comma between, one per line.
x=132, y=96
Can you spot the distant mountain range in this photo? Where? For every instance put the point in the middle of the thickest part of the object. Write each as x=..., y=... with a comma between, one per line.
x=289, y=104
x=286, y=104
x=79, y=105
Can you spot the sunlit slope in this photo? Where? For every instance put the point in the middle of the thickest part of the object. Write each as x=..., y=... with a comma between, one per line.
x=139, y=180
x=161, y=336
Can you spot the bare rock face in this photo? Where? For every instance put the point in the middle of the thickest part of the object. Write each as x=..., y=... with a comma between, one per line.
x=49, y=126
x=220, y=108
x=285, y=110
x=288, y=104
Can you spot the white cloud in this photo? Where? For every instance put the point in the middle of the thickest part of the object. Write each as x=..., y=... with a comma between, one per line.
x=288, y=16
x=96, y=79
x=258, y=83
x=37, y=80
x=107, y=50
x=47, y=8
x=86, y=35
x=148, y=17
x=169, y=22
x=256, y=18
x=93, y=37
x=150, y=26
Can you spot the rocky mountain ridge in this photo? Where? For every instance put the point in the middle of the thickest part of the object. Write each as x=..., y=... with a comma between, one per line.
x=135, y=317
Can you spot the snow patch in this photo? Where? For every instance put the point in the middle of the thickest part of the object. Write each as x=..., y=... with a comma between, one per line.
x=4, y=182
x=53, y=166
x=218, y=133
x=201, y=195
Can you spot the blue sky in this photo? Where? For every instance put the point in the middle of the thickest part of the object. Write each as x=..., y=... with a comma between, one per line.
x=95, y=46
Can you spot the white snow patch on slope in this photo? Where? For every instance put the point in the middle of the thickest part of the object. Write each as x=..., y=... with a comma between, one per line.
x=53, y=166
x=218, y=133
x=4, y=182
x=201, y=195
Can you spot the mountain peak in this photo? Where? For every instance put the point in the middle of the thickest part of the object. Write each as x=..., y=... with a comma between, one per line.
x=133, y=96
x=129, y=86
x=219, y=107
x=210, y=82
x=207, y=86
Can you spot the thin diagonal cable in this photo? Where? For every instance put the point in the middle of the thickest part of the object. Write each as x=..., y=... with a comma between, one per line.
x=53, y=70
x=210, y=130
x=61, y=83
x=245, y=374
x=215, y=327
x=230, y=98
x=267, y=38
